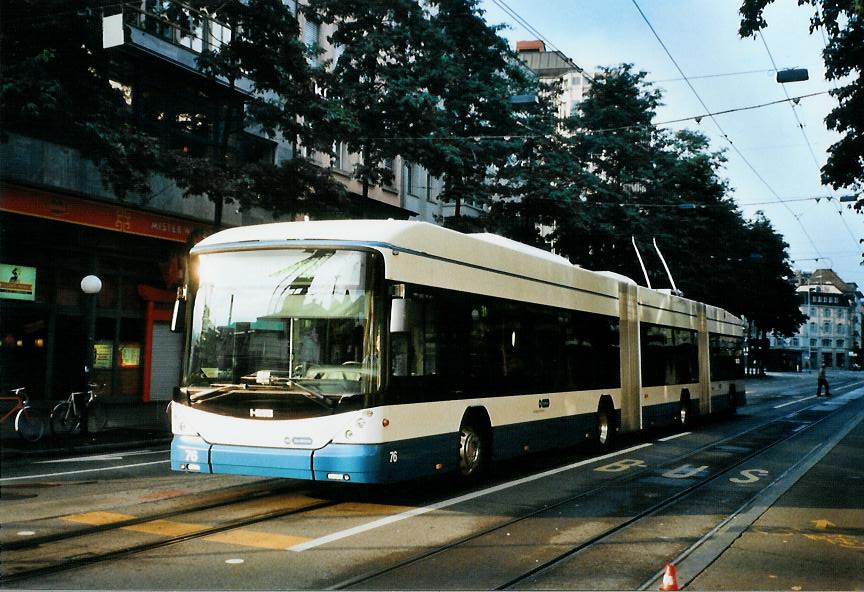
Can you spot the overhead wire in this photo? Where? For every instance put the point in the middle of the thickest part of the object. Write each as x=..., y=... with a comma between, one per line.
x=515, y=15
x=720, y=128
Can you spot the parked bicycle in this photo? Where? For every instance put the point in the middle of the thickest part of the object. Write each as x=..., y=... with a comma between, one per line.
x=66, y=415
x=28, y=423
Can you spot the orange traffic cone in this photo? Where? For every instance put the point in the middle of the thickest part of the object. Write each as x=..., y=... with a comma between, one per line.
x=670, y=578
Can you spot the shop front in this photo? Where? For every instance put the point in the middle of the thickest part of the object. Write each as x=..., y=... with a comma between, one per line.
x=48, y=243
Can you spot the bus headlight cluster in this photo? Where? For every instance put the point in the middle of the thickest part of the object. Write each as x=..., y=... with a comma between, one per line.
x=182, y=428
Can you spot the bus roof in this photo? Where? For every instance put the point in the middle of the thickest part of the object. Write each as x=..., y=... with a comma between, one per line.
x=481, y=249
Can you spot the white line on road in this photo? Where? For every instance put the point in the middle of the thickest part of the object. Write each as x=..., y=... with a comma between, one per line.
x=98, y=457
x=44, y=475
x=672, y=437
x=795, y=401
x=447, y=503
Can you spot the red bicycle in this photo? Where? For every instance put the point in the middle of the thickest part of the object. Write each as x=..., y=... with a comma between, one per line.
x=28, y=423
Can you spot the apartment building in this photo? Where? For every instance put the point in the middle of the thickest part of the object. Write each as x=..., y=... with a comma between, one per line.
x=832, y=333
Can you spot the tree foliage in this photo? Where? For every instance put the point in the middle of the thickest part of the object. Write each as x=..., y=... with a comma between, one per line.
x=843, y=23
x=607, y=178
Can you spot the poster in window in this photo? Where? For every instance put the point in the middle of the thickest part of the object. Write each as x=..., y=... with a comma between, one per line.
x=103, y=354
x=130, y=355
x=17, y=282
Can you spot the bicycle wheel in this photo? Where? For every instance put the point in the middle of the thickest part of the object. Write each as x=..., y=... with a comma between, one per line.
x=63, y=421
x=29, y=424
x=97, y=415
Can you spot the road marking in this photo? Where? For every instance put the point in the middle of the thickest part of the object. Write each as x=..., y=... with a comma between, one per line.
x=100, y=457
x=672, y=437
x=685, y=472
x=44, y=475
x=260, y=540
x=170, y=528
x=450, y=502
x=795, y=401
x=97, y=518
x=823, y=524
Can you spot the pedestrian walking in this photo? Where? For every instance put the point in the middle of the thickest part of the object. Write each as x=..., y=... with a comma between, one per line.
x=822, y=381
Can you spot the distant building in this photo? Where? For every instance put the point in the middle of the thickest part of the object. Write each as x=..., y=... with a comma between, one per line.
x=832, y=333
x=554, y=66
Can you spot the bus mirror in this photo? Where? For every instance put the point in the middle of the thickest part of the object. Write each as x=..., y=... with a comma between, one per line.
x=179, y=311
x=398, y=315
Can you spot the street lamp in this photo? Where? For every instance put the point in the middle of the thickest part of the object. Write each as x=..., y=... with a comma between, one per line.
x=91, y=286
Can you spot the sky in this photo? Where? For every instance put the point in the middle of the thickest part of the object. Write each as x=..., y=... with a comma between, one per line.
x=775, y=168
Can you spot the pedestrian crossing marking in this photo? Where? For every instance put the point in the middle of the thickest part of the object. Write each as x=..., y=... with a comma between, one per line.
x=98, y=518
x=170, y=528
x=261, y=540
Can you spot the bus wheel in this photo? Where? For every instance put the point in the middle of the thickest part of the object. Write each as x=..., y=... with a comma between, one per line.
x=473, y=450
x=605, y=425
x=733, y=401
x=685, y=416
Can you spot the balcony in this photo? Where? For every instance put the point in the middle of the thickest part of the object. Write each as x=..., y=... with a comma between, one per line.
x=177, y=33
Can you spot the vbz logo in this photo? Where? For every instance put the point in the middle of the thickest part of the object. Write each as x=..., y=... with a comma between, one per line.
x=543, y=404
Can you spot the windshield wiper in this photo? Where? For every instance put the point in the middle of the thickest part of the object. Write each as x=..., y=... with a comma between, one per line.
x=323, y=400
x=214, y=393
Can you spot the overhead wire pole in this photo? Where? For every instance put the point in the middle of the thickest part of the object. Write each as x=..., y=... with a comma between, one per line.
x=720, y=128
x=792, y=105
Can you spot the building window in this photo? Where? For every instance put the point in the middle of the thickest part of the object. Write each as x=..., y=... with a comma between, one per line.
x=312, y=34
x=795, y=342
x=826, y=328
x=826, y=343
x=841, y=343
x=812, y=343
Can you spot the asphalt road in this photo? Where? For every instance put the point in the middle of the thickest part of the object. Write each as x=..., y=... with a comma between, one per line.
x=768, y=499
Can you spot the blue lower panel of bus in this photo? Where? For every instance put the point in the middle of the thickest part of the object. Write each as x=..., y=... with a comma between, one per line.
x=517, y=439
x=357, y=463
x=386, y=463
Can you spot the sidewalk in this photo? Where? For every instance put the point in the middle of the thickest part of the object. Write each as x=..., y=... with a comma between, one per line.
x=811, y=538
x=129, y=424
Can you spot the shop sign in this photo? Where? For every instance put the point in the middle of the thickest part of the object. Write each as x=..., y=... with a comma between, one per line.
x=17, y=282
x=130, y=355
x=106, y=216
x=103, y=354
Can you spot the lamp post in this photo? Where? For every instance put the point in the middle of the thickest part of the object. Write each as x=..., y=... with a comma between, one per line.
x=90, y=285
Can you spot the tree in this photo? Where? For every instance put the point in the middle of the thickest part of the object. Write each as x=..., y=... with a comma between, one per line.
x=610, y=176
x=376, y=79
x=843, y=23
x=611, y=138
x=472, y=73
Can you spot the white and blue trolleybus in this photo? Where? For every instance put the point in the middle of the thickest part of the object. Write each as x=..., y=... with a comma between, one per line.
x=380, y=351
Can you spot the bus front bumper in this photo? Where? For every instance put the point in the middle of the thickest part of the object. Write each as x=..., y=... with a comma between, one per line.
x=356, y=463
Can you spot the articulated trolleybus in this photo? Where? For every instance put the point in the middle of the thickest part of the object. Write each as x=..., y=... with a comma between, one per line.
x=379, y=351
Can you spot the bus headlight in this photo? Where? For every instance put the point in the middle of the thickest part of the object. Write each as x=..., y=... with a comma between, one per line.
x=349, y=434
x=181, y=427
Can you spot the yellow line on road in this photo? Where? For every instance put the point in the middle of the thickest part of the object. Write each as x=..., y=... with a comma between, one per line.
x=169, y=528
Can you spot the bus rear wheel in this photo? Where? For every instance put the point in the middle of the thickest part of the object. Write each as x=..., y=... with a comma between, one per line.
x=685, y=412
x=473, y=451
x=605, y=426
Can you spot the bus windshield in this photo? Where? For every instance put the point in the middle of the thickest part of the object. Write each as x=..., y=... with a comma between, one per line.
x=287, y=320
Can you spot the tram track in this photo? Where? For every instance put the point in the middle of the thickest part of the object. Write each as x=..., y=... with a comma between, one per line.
x=668, y=503
x=793, y=429
x=237, y=494
x=75, y=563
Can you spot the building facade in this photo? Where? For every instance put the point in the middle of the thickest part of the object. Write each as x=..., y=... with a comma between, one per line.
x=832, y=333
x=58, y=222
